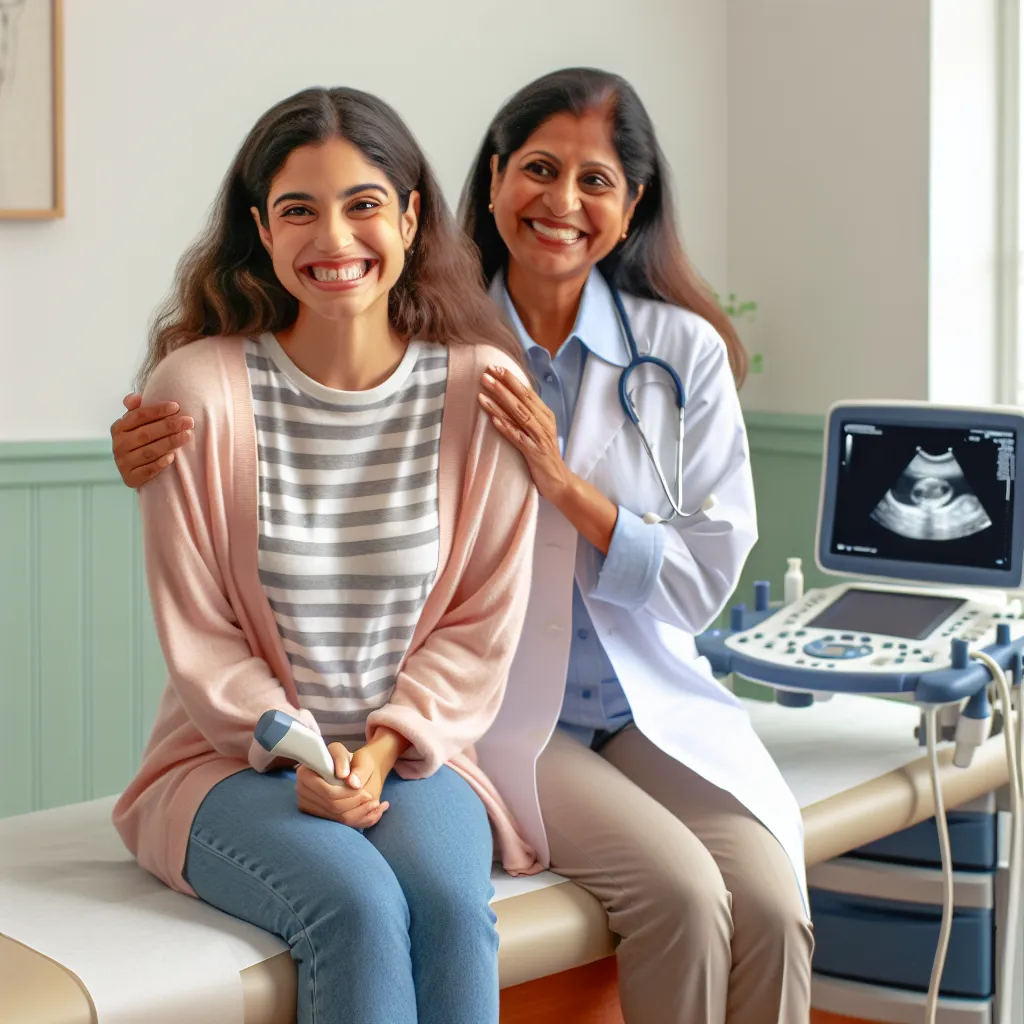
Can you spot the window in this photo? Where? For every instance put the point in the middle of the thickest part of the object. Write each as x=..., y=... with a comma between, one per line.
x=1010, y=221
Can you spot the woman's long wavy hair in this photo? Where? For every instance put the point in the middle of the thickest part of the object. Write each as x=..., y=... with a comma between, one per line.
x=225, y=283
x=651, y=262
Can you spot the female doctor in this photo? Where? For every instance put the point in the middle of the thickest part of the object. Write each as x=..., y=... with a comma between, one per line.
x=651, y=789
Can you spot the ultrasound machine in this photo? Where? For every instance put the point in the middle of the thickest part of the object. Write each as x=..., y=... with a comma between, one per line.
x=919, y=514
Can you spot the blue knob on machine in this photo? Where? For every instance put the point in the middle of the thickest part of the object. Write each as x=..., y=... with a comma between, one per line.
x=736, y=617
x=1003, y=634
x=762, y=595
x=958, y=653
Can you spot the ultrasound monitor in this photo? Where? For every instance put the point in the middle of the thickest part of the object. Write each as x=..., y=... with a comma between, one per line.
x=923, y=493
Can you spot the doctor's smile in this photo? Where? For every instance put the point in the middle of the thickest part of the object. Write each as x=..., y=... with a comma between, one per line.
x=554, y=232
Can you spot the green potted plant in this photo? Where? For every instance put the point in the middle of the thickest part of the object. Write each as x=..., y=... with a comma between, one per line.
x=736, y=308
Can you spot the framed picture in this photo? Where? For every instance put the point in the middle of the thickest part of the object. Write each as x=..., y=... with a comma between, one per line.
x=31, y=110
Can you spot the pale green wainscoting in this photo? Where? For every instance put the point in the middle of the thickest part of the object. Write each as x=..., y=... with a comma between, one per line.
x=80, y=666
x=786, y=456
x=785, y=453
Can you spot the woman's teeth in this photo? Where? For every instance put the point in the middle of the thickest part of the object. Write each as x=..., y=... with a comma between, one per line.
x=559, y=234
x=348, y=272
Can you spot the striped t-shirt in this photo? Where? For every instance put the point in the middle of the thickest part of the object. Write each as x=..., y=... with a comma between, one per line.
x=348, y=523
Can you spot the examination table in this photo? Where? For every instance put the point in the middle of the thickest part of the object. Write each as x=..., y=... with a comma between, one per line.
x=86, y=937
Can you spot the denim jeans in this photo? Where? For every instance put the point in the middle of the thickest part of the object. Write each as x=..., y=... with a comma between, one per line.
x=388, y=926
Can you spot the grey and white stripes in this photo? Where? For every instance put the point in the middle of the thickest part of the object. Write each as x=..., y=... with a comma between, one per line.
x=348, y=530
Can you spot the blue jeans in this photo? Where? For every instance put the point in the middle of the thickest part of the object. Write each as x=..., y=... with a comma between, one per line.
x=388, y=926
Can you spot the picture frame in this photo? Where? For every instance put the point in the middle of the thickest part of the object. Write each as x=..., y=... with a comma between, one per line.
x=31, y=109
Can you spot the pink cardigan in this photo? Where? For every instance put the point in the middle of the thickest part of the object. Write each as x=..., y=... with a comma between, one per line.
x=224, y=655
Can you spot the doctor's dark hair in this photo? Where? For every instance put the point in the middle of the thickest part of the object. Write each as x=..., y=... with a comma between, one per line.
x=226, y=285
x=651, y=262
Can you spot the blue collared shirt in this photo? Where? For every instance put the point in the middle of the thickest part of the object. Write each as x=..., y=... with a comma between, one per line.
x=594, y=700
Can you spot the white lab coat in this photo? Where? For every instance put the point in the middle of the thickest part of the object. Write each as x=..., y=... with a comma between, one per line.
x=676, y=702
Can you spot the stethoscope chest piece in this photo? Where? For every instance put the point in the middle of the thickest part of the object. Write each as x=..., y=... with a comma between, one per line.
x=652, y=518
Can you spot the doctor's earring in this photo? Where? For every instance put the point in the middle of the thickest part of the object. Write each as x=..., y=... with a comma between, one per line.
x=490, y=207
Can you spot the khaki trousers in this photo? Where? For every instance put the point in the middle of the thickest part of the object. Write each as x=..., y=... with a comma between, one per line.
x=708, y=910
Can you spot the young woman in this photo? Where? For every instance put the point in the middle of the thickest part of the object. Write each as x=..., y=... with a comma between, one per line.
x=346, y=539
x=653, y=791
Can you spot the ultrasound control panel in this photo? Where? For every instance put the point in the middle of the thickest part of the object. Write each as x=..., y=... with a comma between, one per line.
x=852, y=628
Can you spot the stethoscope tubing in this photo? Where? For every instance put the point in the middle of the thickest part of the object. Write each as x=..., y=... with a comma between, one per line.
x=636, y=360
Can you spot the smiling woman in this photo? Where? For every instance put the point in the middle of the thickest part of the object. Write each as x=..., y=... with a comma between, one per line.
x=346, y=174
x=347, y=540
x=302, y=208
x=339, y=249
x=570, y=174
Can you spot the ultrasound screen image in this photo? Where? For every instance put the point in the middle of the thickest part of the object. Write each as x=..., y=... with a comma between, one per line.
x=933, y=495
x=932, y=501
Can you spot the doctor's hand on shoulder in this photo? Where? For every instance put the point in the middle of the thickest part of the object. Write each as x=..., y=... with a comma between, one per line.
x=522, y=418
x=146, y=437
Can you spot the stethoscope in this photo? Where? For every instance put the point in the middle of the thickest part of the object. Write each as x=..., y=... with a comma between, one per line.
x=626, y=398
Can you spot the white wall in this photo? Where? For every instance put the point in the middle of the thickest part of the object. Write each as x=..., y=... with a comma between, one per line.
x=159, y=96
x=863, y=198
x=828, y=196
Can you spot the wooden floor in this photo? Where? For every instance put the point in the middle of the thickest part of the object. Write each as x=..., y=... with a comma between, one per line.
x=586, y=995
x=821, y=1017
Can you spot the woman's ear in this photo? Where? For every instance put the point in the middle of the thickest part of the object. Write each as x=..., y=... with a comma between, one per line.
x=631, y=209
x=410, y=220
x=263, y=231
